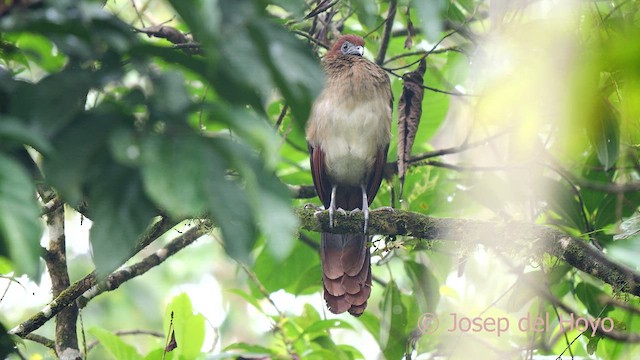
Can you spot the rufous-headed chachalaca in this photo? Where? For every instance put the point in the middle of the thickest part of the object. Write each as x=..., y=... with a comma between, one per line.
x=348, y=137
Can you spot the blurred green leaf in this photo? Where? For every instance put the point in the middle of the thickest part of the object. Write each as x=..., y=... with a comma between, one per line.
x=629, y=227
x=80, y=152
x=428, y=17
x=120, y=212
x=393, y=322
x=250, y=349
x=426, y=288
x=367, y=13
x=248, y=298
x=119, y=349
x=562, y=201
x=20, y=225
x=284, y=274
x=175, y=173
x=590, y=295
x=188, y=326
x=295, y=70
x=51, y=103
x=41, y=51
x=14, y=130
x=323, y=325
x=297, y=8
x=604, y=132
x=170, y=100
x=522, y=293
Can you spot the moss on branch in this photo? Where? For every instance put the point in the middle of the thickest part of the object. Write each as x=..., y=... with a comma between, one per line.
x=520, y=237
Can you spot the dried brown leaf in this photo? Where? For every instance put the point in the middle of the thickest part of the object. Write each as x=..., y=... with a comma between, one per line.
x=408, y=42
x=166, y=32
x=409, y=114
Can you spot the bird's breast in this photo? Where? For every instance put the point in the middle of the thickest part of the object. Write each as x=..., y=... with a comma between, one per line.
x=350, y=130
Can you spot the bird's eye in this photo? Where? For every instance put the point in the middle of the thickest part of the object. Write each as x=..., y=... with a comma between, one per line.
x=345, y=46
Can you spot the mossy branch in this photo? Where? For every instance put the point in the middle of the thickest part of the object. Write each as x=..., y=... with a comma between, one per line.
x=521, y=237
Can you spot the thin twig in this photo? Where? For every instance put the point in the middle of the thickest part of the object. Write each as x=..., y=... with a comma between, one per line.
x=283, y=113
x=45, y=341
x=457, y=149
x=386, y=35
x=454, y=93
x=310, y=38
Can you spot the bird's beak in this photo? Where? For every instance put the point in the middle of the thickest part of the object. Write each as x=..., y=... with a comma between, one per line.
x=355, y=50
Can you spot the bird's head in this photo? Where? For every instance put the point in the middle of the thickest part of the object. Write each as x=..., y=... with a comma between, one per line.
x=348, y=45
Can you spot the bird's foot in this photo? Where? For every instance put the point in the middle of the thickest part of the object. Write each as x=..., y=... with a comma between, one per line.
x=332, y=205
x=365, y=208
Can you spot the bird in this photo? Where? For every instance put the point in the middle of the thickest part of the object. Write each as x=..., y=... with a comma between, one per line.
x=348, y=134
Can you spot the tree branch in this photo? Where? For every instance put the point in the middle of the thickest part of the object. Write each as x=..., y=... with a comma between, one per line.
x=75, y=290
x=525, y=239
x=117, y=278
x=66, y=339
x=386, y=35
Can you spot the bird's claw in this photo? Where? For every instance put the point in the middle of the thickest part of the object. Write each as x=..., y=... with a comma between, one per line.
x=385, y=208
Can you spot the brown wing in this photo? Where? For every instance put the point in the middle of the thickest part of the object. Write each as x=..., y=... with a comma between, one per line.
x=377, y=174
x=320, y=180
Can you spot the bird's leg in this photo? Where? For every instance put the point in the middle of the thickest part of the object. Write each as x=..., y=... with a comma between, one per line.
x=365, y=207
x=332, y=205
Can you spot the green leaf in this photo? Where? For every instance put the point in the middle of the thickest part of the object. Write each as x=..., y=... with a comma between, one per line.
x=248, y=298
x=323, y=326
x=229, y=202
x=522, y=293
x=425, y=285
x=20, y=226
x=392, y=337
x=371, y=323
x=175, y=173
x=13, y=129
x=186, y=176
x=562, y=201
x=589, y=296
x=251, y=349
x=296, y=7
x=592, y=345
x=53, y=101
x=428, y=14
x=114, y=345
x=120, y=212
x=629, y=227
x=277, y=274
x=592, y=170
x=7, y=345
x=188, y=326
x=295, y=70
x=367, y=13
x=40, y=50
x=275, y=215
x=328, y=349
x=170, y=99
x=604, y=133
x=80, y=150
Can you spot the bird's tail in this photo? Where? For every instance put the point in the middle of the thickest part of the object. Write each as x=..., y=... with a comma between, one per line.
x=346, y=272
